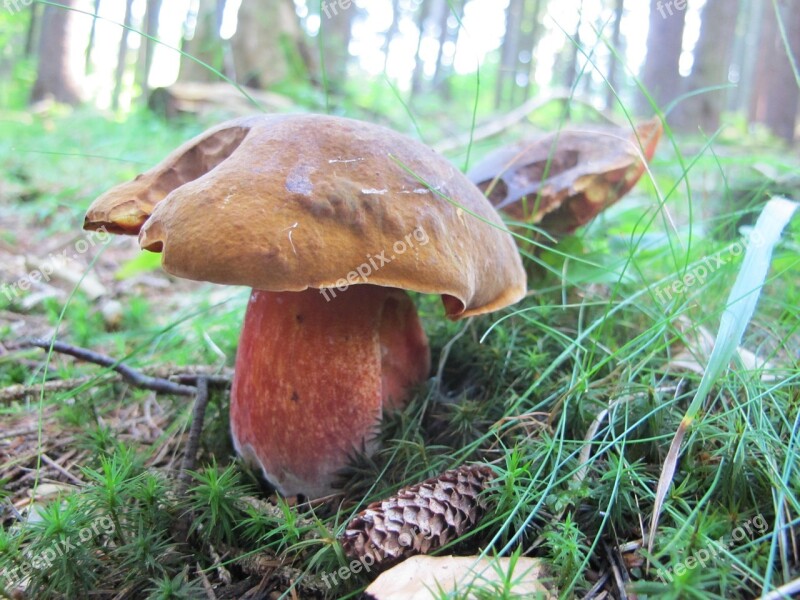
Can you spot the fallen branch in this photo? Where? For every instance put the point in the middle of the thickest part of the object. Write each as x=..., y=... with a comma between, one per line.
x=209, y=589
x=49, y=461
x=19, y=391
x=19, y=432
x=132, y=376
x=185, y=375
x=198, y=417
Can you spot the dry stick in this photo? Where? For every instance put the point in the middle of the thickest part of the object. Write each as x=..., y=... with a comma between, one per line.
x=785, y=591
x=198, y=416
x=209, y=589
x=184, y=524
x=183, y=375
x=620, y=575
x=18, y=432
x=598, y=586
x=132, y=376
x=49, y=461
x=8, y=506
x=223, y=573
x=19, y=391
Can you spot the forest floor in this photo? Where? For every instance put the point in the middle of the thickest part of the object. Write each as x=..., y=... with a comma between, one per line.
x=573, y=397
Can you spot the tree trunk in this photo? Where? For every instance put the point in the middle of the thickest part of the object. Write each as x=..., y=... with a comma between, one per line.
x=768, y=32
x=268, y=39
x=87, y=66
x=336, y=30
x=447, y=35
x=712, y=59
x=530, y=41
x=747, y=57
x=419, y=66
x=616, y=45
x=390, y=33
x=509, y=55
x=30, y=33
x=56, y=76
x=661, y=74
x=205, y=44
x=122, y=56
x=571, y=74
x=442, y=14
x=145, y=60
x=782, y=96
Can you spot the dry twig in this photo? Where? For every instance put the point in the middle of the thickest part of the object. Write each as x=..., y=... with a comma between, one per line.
x=198, y=416
x=132, y=376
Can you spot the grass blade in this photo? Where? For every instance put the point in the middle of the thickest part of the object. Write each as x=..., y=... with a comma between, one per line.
x=735, y=318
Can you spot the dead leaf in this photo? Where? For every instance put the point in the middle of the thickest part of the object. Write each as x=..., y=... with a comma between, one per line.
x=425, y=577
x=563, y=179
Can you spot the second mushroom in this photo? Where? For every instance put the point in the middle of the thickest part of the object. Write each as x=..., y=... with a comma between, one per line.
x=331, y=221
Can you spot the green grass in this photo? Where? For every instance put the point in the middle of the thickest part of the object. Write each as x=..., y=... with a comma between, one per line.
x=573, y=395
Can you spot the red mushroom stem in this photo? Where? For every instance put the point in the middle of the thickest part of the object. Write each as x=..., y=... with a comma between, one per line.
x=314, y=374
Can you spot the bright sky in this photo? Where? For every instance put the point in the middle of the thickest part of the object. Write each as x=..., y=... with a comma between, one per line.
x=484, y=27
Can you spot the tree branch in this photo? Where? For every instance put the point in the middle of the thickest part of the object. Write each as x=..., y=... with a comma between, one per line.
x=190, y=454
x=132, y=376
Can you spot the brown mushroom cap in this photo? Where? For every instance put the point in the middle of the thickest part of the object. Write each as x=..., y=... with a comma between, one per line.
x=290, y=202
x=569, y=176
x=124, y=208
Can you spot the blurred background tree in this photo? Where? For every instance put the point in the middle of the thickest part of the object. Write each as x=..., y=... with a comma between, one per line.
x=56, y=75
x=707, y=61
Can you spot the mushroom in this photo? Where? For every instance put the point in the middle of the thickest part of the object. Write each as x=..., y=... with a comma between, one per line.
x=563, y=180
x=330, y=221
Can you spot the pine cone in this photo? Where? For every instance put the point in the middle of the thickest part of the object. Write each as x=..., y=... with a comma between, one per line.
x=420, y=518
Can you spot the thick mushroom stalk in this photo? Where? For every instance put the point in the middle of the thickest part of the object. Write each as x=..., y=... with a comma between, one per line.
x=313, y=376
